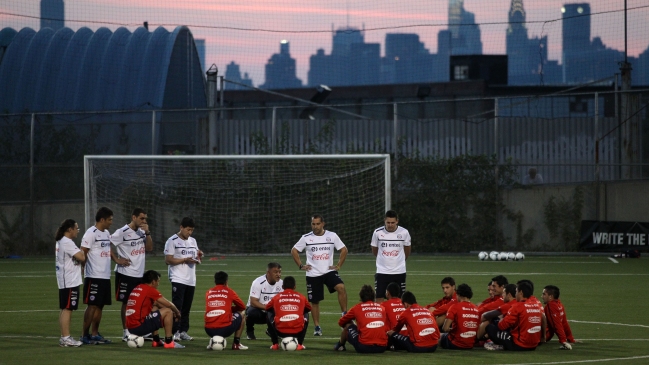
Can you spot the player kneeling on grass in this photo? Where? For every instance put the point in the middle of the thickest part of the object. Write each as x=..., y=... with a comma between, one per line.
x=224, y=311
x=147, y=311
x=368, y=334
x=288, y=315
x=555, y=314
x=423, y=333
x=461, y=323
x=522, y=327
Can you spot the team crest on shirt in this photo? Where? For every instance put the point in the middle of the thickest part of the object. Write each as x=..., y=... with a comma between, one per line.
x=328, y=239
x=399, y=236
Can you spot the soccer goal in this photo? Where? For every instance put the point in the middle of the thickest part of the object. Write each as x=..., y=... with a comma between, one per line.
x=243, y=204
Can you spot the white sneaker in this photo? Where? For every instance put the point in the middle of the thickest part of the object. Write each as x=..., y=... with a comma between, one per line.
x=239, y=346
x=185, y=337
x=69, y=342
x=492, y=346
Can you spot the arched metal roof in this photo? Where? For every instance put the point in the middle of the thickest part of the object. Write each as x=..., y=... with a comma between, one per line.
x=48, y=71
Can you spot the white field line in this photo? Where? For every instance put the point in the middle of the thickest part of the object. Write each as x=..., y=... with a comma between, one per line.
x=584, y=361
x=614, y=260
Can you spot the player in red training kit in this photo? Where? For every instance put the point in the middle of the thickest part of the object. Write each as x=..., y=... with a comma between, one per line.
x=493, y=316
x=423, y=333
x=368, y=334
x=461, y=322
x=288, y=315
x=522, y=328
x=147, y=311
x=498, y=284
x=439, y=308
x=555, y=315
x=393, y=306
x=224, y=311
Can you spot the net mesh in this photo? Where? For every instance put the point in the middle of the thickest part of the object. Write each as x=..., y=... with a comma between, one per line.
x=243, y=205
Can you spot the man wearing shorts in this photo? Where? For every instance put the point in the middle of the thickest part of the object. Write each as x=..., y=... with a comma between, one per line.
x=391, y=247
x=368, y=335
x=320, y=245
x=224, y=311
x=131, y=242
x=68, y=277
x=147, y=311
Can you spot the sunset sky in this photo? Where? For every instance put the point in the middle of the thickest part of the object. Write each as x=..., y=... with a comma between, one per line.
x=248, y=32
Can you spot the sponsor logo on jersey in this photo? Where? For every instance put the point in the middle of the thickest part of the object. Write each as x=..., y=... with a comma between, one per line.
x=373, y=315
x=215, y=313
x=135, y=294
x=427, y=331
x=468, y=324
x=467, y=315
x=130, y=302
x=289, y=317
x=393, y=253
x=375, y=324
x=534, y=329
x=288, y=308
x=129, y=312
x=320, y=257
x=535, y=319
x=105, y=244
x=138, y=289
x=424, y=321
x=216, y=303
x=468, y=334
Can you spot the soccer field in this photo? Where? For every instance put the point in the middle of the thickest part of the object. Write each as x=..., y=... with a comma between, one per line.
x=606, y=303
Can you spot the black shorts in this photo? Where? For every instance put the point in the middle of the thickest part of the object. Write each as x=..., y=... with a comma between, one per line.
x=315, y=285
x=97, y=292
x=152, y=322
x=353, y=337
x=402, y=342
x=381, y=282
x=69, y=298
x=226, y=331
x=124, y=285
x=446, y=343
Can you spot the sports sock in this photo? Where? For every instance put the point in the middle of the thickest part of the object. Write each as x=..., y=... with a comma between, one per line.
x=126, y=333
x=169, y=339
x=237, y=340
x=156, y=338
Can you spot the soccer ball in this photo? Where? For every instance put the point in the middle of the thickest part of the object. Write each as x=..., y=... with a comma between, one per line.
x=520, y=256
x=134, y=341
x=217, y=343
x=511, y=256
x=502, y=256
x=493, y=255
x=289, y=343
x=483, y=256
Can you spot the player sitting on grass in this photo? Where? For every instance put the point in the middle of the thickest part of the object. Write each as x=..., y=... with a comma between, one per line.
x=555, y=314
x=147, y=311
x=393, y=306
x=439, y=308
x=494, y=301
x=423, y=333
x=461, y=322
x=521, y=328
x=224, y=311
x=288, y=315
x=493, y=316
x=368, y=334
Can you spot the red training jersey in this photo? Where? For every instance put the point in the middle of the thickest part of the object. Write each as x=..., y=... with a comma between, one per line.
x=504, y=308
x=422, y=327
x=139, y=304
x=393, y=309
x=490, y=304
x=465, y=321
x=557, y=322
x=523, y=320
x=372, y=323
x=220, y=303
x=442, y=305
x=289, y=307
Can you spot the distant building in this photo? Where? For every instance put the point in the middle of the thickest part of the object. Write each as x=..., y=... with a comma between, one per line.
x=52, y=14
x=280, y=70
x=233, y=73
x=465, y=33
x=407, y=60
x=200, y=48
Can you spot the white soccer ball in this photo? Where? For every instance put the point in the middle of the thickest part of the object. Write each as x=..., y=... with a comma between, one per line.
x=493, y=255
x=502, y=256
x=520, y=256
x=134, y=341
x=289, y=343
x=511, y=256
x=483, y=256
x=218, y=343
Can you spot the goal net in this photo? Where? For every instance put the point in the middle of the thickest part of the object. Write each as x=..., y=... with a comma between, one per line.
x=243, y=204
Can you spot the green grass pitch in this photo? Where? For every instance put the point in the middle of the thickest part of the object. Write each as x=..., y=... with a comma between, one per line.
x=606, y=303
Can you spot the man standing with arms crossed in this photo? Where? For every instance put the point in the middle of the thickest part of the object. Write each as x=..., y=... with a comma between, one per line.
x=131, y=242
x=391, y=247
x=182, y=255
x=320, y=245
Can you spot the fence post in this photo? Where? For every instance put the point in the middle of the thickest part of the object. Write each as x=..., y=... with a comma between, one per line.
x=597, y=173
x=395, y=130
x=31, y=181
x=273, y=132
x=496, y=140
x=153, y=132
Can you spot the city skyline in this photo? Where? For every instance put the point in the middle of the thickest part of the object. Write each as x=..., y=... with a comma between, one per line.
x=309, y=27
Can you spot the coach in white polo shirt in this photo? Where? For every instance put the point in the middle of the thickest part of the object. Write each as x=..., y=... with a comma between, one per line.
x=182, y=255
x=131, y=242
x=68, y=277
x=262, y=290
x=320, y=245
x=391, y=246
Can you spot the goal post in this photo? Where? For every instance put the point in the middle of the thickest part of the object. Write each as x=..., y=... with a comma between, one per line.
x=252, y=204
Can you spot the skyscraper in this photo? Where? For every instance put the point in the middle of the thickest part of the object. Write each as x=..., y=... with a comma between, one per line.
x=280, y=70
x=233, y=73
x=527, y=57
x=465, y=33
x=575, y=40
x=52, y=14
